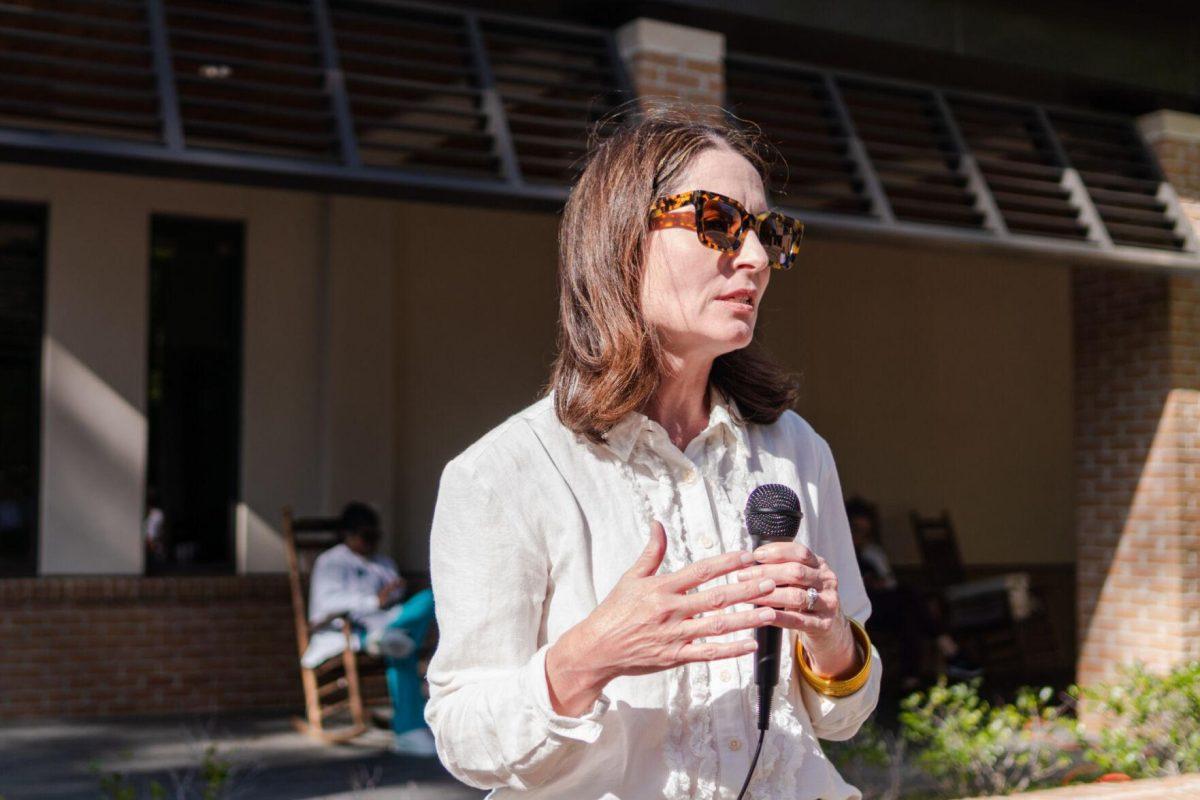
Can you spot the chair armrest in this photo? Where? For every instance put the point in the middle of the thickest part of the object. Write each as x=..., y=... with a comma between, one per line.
x=977, y=610
x=1021, y=601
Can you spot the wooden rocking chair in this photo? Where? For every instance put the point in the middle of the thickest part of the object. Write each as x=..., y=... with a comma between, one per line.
x=345, y=686
x=1003, y=614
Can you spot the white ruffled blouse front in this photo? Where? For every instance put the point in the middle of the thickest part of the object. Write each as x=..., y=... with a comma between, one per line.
x=534, y=526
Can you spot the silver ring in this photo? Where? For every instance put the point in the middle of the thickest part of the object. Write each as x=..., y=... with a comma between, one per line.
x=812, y=599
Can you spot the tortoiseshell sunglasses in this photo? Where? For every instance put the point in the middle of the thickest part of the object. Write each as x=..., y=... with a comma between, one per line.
x=721, y=223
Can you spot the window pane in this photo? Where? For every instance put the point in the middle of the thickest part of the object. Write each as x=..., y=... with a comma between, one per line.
x=194, y=391
x=22, y=287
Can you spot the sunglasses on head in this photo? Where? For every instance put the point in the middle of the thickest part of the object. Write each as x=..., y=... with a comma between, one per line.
x=721, y=223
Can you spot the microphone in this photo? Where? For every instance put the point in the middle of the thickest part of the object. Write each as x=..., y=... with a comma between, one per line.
x=772, y=515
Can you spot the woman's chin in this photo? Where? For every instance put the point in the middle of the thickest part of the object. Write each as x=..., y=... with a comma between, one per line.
x=712, y=341
x=736, y=337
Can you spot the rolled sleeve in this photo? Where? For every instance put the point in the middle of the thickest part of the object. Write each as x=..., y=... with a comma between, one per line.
x=839, y=718
x=489, y=703
x=584, y=728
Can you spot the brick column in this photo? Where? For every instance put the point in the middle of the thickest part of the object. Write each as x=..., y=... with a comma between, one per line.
x=671, y=61
x=1175, y=138
x=1137, y=452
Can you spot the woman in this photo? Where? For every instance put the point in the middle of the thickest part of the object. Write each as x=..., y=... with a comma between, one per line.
x=596, y=595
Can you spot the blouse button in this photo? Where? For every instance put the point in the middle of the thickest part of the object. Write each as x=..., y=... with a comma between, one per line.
x=707, y=543
x=735, y=745
x=725, y=676
x=689, y=476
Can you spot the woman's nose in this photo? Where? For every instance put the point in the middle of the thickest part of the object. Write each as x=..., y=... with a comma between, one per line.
x=751, y=255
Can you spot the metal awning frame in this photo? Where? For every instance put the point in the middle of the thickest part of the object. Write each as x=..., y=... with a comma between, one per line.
x=257, y=170
x=173, y=157
x=1099, y=247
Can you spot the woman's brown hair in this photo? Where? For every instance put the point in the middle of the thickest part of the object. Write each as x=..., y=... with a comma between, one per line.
x=609, y=359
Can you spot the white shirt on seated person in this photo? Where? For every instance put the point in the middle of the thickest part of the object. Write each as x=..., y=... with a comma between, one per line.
x=347, y=583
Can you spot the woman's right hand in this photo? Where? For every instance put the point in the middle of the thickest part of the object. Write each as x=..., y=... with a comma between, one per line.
x=646, y=624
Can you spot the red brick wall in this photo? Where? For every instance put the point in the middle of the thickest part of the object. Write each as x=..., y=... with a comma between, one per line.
x=1185, y=438
x=666, y=75
x=1180, y=160
x=672, y=62
x=91, y=646
x=1137, y=428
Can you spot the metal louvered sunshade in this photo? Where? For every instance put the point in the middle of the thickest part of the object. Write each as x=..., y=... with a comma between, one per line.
x=418, y=99
x=550, y=85
x=1123, y=181
x=354, y=95
x=866, y=153
x=415, y=95
x=79, y=66
x=478, y=96
x=1020, y=168
x=249, y=77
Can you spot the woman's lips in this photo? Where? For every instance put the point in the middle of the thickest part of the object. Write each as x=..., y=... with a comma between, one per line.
x=738, y=305
x=741, y=300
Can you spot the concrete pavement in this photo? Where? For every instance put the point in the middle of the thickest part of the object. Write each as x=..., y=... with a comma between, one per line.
x=267, y=759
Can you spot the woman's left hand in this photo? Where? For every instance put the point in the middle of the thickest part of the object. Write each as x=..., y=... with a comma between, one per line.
x=828, y=639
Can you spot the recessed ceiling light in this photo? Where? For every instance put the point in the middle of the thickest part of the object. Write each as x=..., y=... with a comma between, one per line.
x=215, y=72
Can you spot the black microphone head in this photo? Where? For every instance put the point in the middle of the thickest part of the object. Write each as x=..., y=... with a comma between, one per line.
x=773, y=512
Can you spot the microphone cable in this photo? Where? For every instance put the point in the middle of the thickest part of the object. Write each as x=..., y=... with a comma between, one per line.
x=753, y=763
x=764, y=722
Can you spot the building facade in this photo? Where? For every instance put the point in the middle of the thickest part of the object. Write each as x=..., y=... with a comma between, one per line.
x=299, y=253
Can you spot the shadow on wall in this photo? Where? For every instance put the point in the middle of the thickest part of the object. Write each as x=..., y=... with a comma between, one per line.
x=93, y=462
x=93, y=473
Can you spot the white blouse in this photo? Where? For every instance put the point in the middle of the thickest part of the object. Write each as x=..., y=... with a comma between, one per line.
x=533, y=527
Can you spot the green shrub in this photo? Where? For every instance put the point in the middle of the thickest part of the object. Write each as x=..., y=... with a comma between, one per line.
x=970, y=747
x=1151, y=723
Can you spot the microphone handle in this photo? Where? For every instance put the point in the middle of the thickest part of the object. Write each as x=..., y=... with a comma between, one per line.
x=766, y=670
x=766, y=657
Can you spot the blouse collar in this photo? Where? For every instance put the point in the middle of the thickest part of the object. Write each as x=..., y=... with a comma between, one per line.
x=622, y=437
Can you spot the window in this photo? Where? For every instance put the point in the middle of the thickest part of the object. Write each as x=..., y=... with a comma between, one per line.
x=194, y=394
x=22, y=300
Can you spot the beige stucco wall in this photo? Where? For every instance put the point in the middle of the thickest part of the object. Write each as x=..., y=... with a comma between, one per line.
x=316, y=401
x=358, y=436
x=474, y=325
x=93, y=411
x=941, y=380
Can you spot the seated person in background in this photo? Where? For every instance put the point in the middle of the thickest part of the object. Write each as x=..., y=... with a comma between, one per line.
x=353, y=579
x=898, y=609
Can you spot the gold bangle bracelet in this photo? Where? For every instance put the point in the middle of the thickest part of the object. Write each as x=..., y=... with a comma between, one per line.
x=830, y=686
